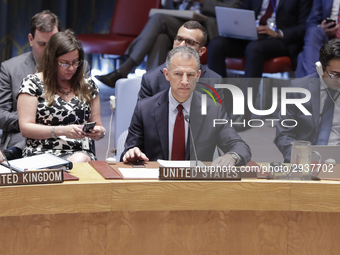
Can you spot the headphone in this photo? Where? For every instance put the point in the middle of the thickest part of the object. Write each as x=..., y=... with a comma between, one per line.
x=319, y=68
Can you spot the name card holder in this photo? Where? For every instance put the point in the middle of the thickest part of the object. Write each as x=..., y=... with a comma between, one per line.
x=199, y=173
x=32, y=177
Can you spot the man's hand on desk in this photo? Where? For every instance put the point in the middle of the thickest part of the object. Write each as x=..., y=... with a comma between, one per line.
x=225, y=160
x=134, y=154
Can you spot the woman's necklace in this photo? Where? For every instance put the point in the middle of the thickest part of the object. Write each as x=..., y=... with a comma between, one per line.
x=65, y=93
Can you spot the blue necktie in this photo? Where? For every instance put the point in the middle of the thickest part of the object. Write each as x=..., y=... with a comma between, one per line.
x=326, y=119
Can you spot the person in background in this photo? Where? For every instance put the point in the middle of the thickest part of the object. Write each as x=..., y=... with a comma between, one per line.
x=54, y=104
x=160, y=30
x=281, y=28
x=158, y=130
x=43, y=25
x=319, y=31
x=322, y=127
x=191, y=34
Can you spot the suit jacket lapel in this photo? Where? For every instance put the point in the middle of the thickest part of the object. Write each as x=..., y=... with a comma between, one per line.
x=163, y=83
x=29, y=64
x=161, y=113
x=314, y=88
x=280, y=4
x=328, y=6
x=257, y=7
x=196, y=119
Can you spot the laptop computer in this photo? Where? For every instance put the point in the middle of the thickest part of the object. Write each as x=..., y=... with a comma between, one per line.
x=236, y=23
x=35, y=162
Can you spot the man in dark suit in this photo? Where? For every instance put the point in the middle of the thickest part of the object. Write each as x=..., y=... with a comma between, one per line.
x=318, y=33
x=154, y=81
x=320, y=127
x=153, y=132
x=13, y=71
x=164, y=26
x=281, y=28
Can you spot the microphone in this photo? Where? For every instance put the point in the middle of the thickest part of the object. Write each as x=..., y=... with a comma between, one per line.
x=4, y=159
x=187, y=119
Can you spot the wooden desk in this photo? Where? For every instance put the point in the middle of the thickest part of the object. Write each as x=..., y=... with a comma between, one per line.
x=96, y=216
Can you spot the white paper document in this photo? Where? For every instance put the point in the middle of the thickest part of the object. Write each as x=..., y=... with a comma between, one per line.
x=4, y=170
x=139, y=173
x=179, y=163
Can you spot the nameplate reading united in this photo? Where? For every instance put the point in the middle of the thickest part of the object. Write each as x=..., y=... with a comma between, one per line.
x=199, y=173
x=32, y=177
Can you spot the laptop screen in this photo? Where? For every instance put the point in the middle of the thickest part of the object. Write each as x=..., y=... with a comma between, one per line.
x=236, y=23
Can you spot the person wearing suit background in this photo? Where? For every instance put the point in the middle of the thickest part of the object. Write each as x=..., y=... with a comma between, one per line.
x=281, y=29
x=318, y=33
x=191, y=34
x=43, y=25
x=322, y=127
x=160, y=30
x=153, y=132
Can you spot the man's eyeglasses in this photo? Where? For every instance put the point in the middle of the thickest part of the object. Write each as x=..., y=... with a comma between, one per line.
x=188, y=42
x=67, y=65
x=332, y=76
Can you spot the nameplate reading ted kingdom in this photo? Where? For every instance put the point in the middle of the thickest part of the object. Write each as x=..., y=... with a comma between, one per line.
x=32, y=177
x=199, y=173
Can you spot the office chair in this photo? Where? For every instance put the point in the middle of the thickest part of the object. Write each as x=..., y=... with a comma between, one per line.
x=126, y=98
x=128, y=20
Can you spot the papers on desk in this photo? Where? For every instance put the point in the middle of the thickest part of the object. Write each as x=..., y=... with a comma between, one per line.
x=140, y=173
x=4, y=170
x=179, y=163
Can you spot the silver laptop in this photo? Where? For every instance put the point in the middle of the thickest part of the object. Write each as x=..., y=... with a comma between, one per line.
x=236, y=23
x=326, y=152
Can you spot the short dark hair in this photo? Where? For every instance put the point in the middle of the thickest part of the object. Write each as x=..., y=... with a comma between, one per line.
x=329, y=51
x=44, y=22
x=192, y=24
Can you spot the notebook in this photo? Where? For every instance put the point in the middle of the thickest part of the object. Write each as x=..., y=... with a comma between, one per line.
x=236, y=23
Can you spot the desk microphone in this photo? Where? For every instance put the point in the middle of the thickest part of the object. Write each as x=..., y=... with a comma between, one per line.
x=187, y=119
x=4, y=159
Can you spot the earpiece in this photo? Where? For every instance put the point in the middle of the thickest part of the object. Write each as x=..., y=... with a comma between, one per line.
x=319, y=68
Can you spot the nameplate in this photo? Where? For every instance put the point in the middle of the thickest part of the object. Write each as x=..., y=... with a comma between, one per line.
x=32, y=177
x=199, y=173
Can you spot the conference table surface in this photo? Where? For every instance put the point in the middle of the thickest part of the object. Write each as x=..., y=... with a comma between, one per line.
x=92, y=193
x=98, y=216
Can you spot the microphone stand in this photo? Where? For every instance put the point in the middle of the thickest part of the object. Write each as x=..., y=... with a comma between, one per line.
x=187, y=119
